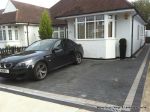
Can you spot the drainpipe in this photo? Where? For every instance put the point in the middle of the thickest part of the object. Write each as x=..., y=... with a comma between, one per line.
x=28, y=33
x=132, y=34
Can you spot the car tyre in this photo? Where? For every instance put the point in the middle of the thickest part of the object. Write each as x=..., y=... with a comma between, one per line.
x=78, y=58
x=40, y=71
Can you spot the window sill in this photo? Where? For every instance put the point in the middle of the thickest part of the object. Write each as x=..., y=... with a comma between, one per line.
x=98, y=39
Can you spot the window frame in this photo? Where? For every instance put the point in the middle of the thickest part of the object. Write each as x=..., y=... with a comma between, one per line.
x=77, y=22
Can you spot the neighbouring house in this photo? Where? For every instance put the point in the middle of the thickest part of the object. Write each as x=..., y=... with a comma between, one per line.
x=19, y=24
x=98, y=25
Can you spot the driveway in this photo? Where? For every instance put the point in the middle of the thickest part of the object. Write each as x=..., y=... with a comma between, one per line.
x=107, y=81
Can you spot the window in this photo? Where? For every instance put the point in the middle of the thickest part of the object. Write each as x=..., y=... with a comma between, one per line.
x=1, y=37
x=58, y=32
x=99, y=29
x=62, y=32
x=81, y=30
x=10, y=34
x=138, y=32
x=58, y=45
x=90, y=27
x=16, y=34
x=110, y=27
x=4, y=34
x=9, y=26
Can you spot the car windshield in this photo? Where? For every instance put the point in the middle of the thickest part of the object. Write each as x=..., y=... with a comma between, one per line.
x=42, y=45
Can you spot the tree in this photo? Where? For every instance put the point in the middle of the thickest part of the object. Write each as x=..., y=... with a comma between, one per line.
x=143, y=6
x=45, y=28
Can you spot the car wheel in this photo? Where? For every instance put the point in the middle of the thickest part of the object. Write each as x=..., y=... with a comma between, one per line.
x=40, y=71
x=78, y=58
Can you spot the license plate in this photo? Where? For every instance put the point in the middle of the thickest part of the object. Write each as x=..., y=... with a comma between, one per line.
x=4, y=71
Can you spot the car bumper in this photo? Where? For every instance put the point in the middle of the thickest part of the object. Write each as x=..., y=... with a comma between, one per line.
x=15, y=73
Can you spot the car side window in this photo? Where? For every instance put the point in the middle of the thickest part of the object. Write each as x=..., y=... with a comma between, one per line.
x=58, y=45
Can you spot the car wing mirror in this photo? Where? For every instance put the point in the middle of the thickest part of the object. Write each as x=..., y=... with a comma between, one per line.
x=55, y=50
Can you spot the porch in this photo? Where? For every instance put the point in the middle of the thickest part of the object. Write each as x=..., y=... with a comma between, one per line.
x=99, y=33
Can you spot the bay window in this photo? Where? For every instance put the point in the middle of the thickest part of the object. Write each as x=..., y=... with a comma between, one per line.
x=93, y=27
x=90, y=27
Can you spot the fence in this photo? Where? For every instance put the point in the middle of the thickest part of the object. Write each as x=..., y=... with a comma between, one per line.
x=10, y=50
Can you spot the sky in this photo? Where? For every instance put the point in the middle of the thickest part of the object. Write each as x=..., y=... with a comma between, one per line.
x=43, y=3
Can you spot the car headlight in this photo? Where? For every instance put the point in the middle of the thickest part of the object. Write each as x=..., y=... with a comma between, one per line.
x=25, y=64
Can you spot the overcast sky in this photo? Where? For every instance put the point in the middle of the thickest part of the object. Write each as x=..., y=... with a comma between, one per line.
x=43, y=3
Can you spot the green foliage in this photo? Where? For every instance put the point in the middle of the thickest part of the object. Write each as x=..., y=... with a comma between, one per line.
x=143, y=6
x=45, y=28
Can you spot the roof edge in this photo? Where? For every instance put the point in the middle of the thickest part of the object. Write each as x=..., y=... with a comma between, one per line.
x=93, y=13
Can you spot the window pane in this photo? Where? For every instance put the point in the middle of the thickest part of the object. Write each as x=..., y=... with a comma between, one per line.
x=81, y=30
x=100, y=17
x=10, y=34
x=1, y=38
x=55, y=34
x=110, y=17
x=4, y=34
x=62, y=34
x=55, y=29
x=90, y=30
x=9, y=26
x=99, y=29
x=81, y=19
x=110, y=29
x=90, y=18
x=16, y=34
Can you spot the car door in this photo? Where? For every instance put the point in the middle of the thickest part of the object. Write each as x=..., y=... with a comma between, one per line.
x=69, y=50
x=58, y=54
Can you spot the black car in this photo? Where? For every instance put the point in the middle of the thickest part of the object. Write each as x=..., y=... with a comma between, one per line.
x=40, y=58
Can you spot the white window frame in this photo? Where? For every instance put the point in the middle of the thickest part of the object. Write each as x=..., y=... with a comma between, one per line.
x=58, y=31
x=106, y=20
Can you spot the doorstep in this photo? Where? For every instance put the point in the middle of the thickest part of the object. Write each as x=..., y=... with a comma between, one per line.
x=16, y=103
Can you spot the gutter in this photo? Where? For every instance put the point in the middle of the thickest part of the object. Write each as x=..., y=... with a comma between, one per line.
x=132, y=34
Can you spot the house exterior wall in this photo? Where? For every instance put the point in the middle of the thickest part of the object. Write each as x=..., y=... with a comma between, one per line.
x=22, y=35
x=10, y=7
x=138, y=34
x=33, y=33
x=107, y=48
x=123, y=30
x=7, y=42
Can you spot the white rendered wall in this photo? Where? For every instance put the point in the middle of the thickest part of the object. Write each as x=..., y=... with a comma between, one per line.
x=138, y=42
x=71, y=29
x=93, y=48
x=33, y=33
x=123, y=30
x=10, y=7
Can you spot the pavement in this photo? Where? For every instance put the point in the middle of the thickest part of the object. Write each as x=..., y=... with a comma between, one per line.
x=91, y=85
x=16, y=103
x=146, y=94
